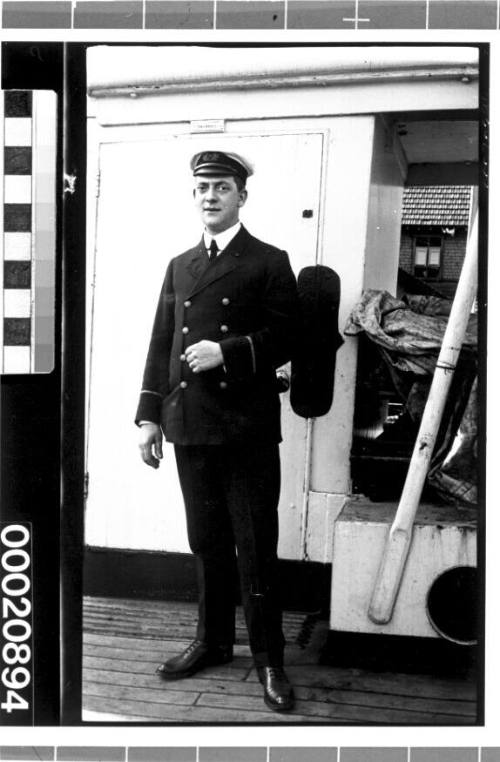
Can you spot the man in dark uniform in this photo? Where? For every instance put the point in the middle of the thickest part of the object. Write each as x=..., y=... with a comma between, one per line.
x=225, y=321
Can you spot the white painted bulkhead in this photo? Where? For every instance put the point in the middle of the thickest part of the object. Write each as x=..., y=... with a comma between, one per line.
x=311, y=121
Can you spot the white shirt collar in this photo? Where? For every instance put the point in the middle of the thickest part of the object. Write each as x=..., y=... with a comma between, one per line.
x=222, y=239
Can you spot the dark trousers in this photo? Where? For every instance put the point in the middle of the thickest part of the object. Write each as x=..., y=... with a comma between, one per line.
x=231, y=496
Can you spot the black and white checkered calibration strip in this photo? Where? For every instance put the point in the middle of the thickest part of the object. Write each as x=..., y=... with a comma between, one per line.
x=28, y=130
x=17, y=216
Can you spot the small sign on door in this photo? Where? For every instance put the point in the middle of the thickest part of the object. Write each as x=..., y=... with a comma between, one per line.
x=207, y=125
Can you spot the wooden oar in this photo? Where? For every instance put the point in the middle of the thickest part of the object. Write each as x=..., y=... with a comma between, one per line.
x=398, y=542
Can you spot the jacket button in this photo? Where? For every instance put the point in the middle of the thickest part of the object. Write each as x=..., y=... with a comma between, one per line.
x=182, y=358
x=187, y=303
x=224, y=329
x=225, y=301
x=185, y=329
x=223, y=385
x=183, y=384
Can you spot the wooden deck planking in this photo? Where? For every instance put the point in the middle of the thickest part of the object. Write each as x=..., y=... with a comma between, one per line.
x=336, y=713
x=197, y=715
x=418, y=686
x=210, y=684
x=141, y=648
x=156, y=609
x=157, y=695
x=159, y=655
x=225, y=671
x=125, y=640
x=424, y=686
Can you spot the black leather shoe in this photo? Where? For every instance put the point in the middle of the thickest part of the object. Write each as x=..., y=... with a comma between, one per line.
x=278, y=693
x=197, y=656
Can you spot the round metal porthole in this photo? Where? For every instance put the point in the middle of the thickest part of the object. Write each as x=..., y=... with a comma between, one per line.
x=452, y=605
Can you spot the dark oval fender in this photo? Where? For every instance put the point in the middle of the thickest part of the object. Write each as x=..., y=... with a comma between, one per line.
x=313, y=363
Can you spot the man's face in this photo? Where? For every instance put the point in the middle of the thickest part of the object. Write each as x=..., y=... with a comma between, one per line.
x=218, y=201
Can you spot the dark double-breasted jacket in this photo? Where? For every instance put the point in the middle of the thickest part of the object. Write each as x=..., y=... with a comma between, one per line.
x=246, y=300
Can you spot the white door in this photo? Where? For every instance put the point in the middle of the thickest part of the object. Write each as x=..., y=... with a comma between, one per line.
x=145, y=217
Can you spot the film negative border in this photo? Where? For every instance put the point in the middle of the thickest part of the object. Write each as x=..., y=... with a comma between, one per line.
x=247, y=754
x=250, y=14
x=31, y=448
x=28, y=231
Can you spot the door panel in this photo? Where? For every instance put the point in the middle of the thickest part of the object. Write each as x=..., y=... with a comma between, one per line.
x=144, y=217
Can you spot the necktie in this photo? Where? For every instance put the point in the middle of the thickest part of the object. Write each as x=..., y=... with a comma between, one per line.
x=212, y=252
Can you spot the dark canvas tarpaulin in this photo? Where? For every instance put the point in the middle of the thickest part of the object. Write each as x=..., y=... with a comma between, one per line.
x=409, y=334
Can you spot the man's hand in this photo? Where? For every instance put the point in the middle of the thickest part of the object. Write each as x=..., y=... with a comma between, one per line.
x=204, y=355
x=150, y=444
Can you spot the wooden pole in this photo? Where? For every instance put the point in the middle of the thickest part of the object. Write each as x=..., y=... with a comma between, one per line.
x=398, y=541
